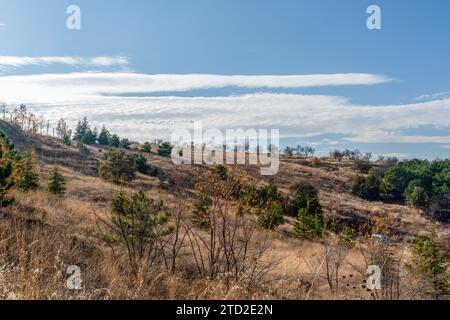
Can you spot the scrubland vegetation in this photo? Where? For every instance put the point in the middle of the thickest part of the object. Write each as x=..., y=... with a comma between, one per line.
x=139, y=227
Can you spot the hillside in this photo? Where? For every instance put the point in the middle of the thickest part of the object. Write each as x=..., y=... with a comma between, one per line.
x=50, y=233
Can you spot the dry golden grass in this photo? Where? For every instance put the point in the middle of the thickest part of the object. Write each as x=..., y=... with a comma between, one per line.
x=41, y=235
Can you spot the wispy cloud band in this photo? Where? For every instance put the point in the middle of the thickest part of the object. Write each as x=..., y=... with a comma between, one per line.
x=98, y=96
x=121, y=83
x=103, y=61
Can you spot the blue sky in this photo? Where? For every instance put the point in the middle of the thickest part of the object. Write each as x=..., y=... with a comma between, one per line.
x=410, y=55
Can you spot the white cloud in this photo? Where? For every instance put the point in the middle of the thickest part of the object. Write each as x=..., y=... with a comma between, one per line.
x=434, y=96
x=117, y=83
x=106, y=61
x=73, y=96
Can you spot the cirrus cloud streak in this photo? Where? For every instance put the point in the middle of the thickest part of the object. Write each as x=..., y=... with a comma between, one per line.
x=96, y=95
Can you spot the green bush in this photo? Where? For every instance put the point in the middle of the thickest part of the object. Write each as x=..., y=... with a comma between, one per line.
x=347, y=237
x=367, y=187
x=271, y=217
x=415, y=195
x=201, y=216
x=147, y=147
x=417, y=182
x=125, y=143
x=269, y=194
x=165, y=149
x=138, y=223
x=117, y=167
x=303, y=191
x=140, y=163
x=430, y=263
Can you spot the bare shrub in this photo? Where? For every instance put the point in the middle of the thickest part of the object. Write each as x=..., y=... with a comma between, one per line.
x=232, y=248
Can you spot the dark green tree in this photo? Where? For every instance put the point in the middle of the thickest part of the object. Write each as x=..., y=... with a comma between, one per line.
x=302, y=190
x=56, y=182
x=165, y=149
x=114, y=141
x=117, y=167
x=430, y=263
x=367, y=187
x=147, y=147
x=125, y=143
x=7, y=157
x=26, y=172
x=103, y=137
x=309, y=223
x=81, y=129
x=271, y=217
x=90, y=137
x=140, y=163
x=139, y=224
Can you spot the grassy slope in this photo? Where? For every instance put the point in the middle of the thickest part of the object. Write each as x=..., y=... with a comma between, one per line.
x=73, y=216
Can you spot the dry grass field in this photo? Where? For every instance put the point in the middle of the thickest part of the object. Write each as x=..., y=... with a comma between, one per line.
x=41, y=235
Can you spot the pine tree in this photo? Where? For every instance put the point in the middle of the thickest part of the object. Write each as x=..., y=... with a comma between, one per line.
x=429, y=262
x=103, y=137
x=147, y=147
x=201, y=216
x=271, y=217
x=114, y=141
x=138, y=223
x=90, y=137
x=165, y=149
x=117, y=167
x=125, y=143
x=81, y=130
x=7, y=157
x=56, y=182
x=309, y=223
x=26, y=172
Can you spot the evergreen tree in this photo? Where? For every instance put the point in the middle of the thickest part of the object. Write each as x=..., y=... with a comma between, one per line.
x=103, y=137
x=271, y=217
x=56, y=182
x=309, y=223
x=429, y=262
x=347, y=237
x=66, y=139
x=302, y=191
x=114, y=141
x=125, y=143
x=147, y=147
x=90, y=137
x=139, y=224
x=7, y=157
x=140, y=163
x=165, y=149
x=81, y=129
x=117, y=167
x=201, y=216
x=26, y=172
